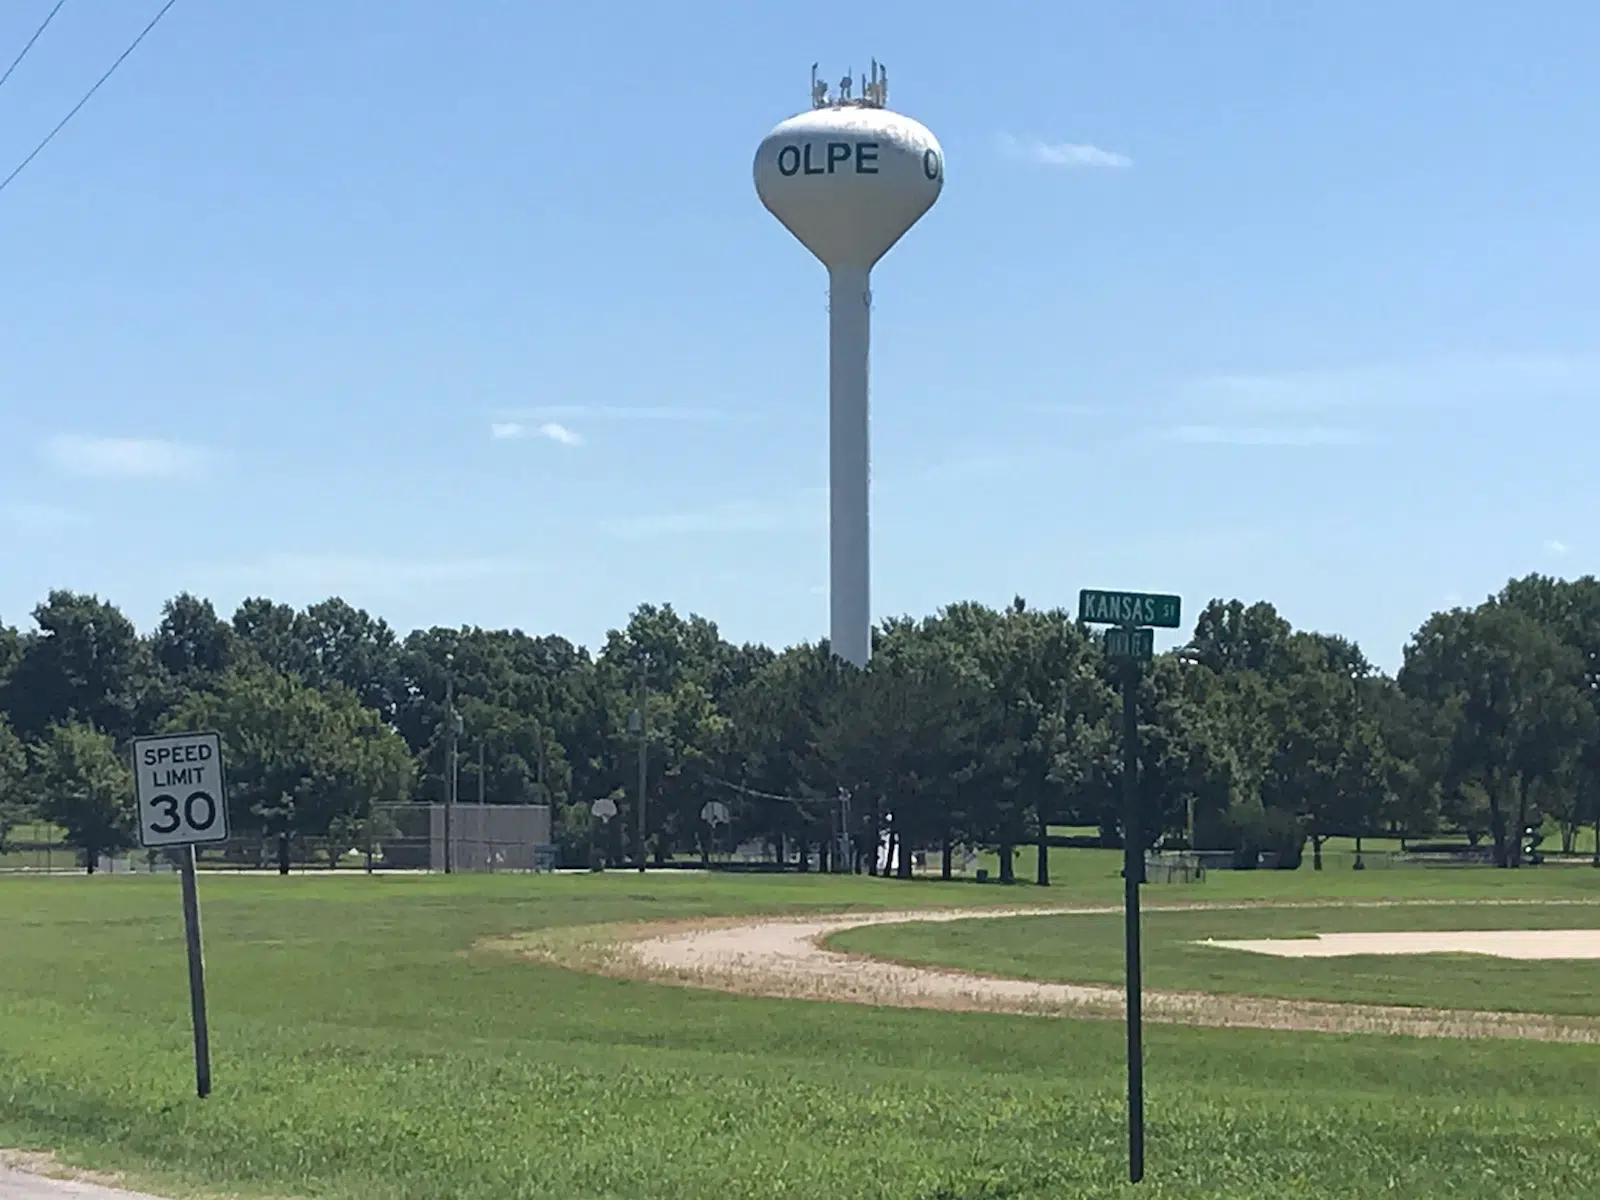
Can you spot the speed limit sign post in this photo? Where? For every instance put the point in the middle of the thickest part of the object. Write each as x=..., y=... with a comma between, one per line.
x=182, y=799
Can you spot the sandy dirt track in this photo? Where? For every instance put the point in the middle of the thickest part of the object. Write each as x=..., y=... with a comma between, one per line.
x=21, y=1184
x=785, y=958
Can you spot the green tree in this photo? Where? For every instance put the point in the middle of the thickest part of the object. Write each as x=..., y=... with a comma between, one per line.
x=1509, y=690
x=535, y=705
x=81, y=783
x=789, y=735
x=1414, y=746
x=190, y=648
x=1232, y=636
x=1328, y=766
x=14, y=799
x=1184, y=770
x=347, y=646
x=10, y=652
x=299, y=760
x=192, y=645
x=1571, y=609
x=85, y=663
x=272, y=633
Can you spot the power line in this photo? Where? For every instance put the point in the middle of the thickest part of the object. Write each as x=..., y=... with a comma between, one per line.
x=87, y=96
x=759, y=795
x=24, y=52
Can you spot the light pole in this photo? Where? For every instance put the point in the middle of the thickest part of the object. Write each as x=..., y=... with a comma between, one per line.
x=452, y=732
x=638, y=723
x=1191, y=657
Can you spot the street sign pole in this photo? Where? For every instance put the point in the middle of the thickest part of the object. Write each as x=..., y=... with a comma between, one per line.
x=1130, y=641
x=197, y=974
x=1132, y=876
x=182, y=800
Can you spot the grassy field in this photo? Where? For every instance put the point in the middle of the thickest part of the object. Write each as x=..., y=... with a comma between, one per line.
x=1089, y=949
x=363, y=1048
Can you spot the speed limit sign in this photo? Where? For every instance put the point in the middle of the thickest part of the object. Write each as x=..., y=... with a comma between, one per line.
x=179, y=787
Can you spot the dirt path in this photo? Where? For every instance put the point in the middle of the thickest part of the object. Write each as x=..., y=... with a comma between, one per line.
x=23, y=1177
x=785, y=958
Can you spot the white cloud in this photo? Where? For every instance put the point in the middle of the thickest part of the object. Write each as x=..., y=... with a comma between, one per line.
x=125, y=458
x=560, y=433
x=1555, y=547
x=613, y=412
x=1410, y=384
x=1233, y=435
x=504, y=431
x=1060, y=154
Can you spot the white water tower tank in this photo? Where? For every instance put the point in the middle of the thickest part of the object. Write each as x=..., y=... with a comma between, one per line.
x=848, y=178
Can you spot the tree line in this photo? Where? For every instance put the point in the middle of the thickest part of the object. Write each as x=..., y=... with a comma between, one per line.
x=974, y=725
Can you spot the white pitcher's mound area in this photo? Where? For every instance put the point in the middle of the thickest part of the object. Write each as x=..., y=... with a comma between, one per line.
x=1500, y=943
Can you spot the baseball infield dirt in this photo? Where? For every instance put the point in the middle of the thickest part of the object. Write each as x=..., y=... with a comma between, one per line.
x=786, y=958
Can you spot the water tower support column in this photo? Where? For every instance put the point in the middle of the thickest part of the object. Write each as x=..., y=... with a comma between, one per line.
x=849, y=590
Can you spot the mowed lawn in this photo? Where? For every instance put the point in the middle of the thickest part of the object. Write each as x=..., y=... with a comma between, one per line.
x=1089, y=949
x=363, y=1048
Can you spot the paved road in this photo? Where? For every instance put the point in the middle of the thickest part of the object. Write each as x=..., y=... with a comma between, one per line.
x=15, y=1185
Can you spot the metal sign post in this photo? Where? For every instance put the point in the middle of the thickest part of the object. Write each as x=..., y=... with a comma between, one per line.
x=1132, y=877
x=1130, y=642
x=197, y=975
x=182, y=799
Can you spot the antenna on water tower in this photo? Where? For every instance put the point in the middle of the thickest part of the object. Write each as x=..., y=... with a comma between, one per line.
x=848, y=178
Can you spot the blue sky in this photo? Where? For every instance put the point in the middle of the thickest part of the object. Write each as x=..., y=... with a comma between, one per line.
x=1255, y=299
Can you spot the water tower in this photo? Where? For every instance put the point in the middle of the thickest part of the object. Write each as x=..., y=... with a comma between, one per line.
x=848, y=178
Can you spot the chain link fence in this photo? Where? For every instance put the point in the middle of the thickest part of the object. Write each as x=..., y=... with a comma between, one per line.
x=397, y=836
x=43, y=850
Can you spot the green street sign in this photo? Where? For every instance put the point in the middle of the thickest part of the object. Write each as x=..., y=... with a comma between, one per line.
x=1124, y=643
x=1128, y=608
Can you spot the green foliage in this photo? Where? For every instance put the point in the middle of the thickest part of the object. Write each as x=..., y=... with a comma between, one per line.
x=1510, y=692
x=80, y=782
x=1251, y=829
x=299, y=760
x=975, y=724
x=85, y=662
x=15, y=802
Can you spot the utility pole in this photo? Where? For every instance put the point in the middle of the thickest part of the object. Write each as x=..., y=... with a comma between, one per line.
x=480, y=772
x=452, y=729
x=544, y=786
x=644, y=760
x=846, y=853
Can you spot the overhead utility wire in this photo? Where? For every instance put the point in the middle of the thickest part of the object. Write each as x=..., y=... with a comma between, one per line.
x=759, y=795
x=111, y=70
x=24, y=52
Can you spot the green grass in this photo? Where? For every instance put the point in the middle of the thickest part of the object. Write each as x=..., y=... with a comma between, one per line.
x=1089, y=949
x=363, y=1049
